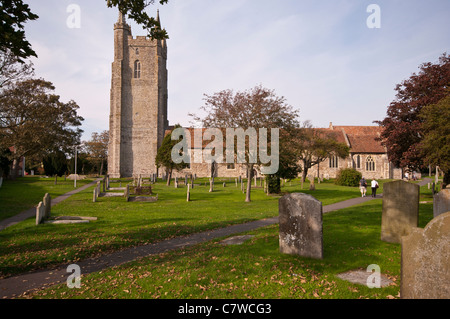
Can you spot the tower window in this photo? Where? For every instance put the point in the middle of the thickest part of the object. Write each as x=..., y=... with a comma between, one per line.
x=137, y=51
x=370, y=164
x=137, y=69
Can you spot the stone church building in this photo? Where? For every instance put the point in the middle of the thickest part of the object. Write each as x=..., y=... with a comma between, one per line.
x=138, y=119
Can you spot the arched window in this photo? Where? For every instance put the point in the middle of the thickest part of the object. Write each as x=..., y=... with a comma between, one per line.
x=137, y=51
x=137, y=69
x=334, y=162
x=370, y=164
x=358, y=161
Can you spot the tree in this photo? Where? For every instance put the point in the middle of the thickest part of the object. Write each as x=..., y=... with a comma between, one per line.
x=11, y=70
x=402, y=126
x=13, y=15
x=257, y=108
x=5, y=162
x=55, y=164
x=97, y=149
x=435, y=145
x=314, y=145
x=289, y=164
x=164, y=156
x=135, y=9
x=35, y=121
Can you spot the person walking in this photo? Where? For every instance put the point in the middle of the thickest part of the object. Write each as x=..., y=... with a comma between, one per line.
x=363, y=187
x=374, y=185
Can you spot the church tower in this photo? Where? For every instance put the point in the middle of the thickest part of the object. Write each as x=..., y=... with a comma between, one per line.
x=138, y=114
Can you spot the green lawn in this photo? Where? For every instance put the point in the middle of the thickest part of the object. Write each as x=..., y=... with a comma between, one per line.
x=255, y=269
x=26, y=192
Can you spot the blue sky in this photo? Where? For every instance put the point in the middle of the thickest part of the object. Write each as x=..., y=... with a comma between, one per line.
x=319, y=54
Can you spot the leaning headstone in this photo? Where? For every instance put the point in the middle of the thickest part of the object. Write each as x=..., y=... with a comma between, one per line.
x=400, y=210
x=425, y=261
x=47, y=201
x=300, y=225
x=40, y=212
x=441, y=202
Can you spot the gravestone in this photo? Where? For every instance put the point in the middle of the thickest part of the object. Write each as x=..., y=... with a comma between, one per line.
x=400, y=210
x=188, y=196
x=40, y=212
x=441, y=202
x=301, y=227
x=425, y=261
x=1, y=181
x=47, y=201
x=94, y=196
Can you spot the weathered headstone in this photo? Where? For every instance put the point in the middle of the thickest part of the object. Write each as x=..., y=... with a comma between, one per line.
x=1, y=181
x=400, y=210
x=40, y=212
x=301, y=228
x=47, y=201
x=441, y=202
x=94, y=196
x=425, y=261
x=188, y=196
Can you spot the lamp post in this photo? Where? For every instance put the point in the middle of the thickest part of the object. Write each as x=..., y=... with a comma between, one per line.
x=75, y=181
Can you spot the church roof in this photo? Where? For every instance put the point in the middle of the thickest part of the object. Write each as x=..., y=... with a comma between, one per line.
x=360, y=139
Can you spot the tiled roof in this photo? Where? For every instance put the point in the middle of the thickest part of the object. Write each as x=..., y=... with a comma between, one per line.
x=362, y=139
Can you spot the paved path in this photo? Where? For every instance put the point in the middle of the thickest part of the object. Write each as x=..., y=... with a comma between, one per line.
x=32, y=211
x=17, y=285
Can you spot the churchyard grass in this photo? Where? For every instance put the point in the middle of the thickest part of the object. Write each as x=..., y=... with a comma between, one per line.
x=256, y=269
x=26, y=192
x=208, y=270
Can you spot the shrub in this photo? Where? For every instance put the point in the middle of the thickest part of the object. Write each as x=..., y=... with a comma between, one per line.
x=348, y=177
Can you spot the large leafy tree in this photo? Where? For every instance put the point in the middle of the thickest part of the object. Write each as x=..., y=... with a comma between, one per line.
x=12, y=70
x=97, y=149
x=403, y=125
x=256, y=108
x=164, y=156
x=313, y=146
x=55, y=164
x=13, y=16
x=35, y=122
x=435, y=145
